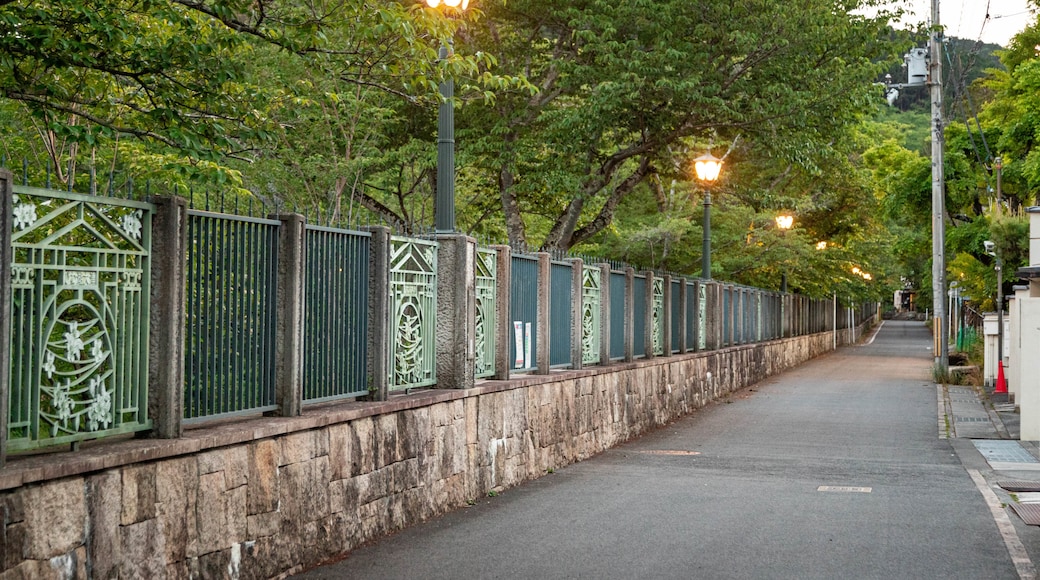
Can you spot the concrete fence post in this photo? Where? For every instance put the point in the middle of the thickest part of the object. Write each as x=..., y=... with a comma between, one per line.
x=456, y=311
x=6, y=257
x=604, y=313
x=167, y=312
x=544, y=296
x=503, y=301
x=630, y=282
x=288, y=342
x=577, y=303
x=379, y=312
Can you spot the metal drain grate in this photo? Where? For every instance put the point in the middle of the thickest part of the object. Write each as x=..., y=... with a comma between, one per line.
x=1029, y=512
x=1003, y=451
x=960, y=419
x=1023, y=486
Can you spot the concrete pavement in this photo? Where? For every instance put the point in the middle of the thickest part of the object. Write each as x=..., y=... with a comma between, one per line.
x=849, y=466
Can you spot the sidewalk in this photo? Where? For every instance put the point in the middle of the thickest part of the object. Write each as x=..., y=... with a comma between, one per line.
x=1009, y=469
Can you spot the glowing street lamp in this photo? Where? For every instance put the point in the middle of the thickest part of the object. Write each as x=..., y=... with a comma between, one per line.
x=707, y=167
x=444, y=201
x=784, y=222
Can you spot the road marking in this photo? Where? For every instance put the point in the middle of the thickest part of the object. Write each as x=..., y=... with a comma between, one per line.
x=844, y=489
x=670, y=452
x=874, y=335
x=1019, y=556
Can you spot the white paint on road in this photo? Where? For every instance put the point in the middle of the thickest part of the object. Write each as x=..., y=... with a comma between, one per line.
x=1019, y=556
x=844, y=489
x=873, y=335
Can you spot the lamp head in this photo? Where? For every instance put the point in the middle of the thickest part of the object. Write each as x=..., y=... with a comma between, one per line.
x=785, y=222
x=708, y=167
x=990, y=247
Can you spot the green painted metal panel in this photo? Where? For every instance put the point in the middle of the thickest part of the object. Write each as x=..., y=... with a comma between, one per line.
x=335, y=326
x=486, y=300
x=413, y=312
x=591, y=312
x=80, y=287
x=232, y=268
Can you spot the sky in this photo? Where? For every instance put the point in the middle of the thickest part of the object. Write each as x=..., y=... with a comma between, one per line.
x=967, y=18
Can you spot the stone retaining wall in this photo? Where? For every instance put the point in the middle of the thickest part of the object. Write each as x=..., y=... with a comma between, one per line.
x=261, y=497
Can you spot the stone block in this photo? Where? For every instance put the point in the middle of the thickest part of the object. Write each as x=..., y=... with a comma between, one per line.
x=236, y=513
x=304, y=490
x=55, y=518
x=263, y=458
x=388, y=448
x=143, y=550
x=12, y=545
x=139, y=494
x=177, y=493
x=365, y=451
x=104, y=506
x=343, y=496
x=263, y=525
x=300, y=447
x=215, y=564
x=344, y=452
x=212, y=525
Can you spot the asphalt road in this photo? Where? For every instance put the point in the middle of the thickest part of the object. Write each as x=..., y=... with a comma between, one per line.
x=734, y=491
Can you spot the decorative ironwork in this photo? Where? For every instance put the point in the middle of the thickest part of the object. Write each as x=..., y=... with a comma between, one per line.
x=486, y=300
x=413, y=299
x=79, y=319
x=591, y=297
x=657, y=317
x=702, y=317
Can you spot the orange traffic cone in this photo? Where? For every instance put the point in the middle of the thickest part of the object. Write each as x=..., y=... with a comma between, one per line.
x=1001, y=387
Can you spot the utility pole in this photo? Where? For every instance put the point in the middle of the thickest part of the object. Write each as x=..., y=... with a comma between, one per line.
x=941, y=340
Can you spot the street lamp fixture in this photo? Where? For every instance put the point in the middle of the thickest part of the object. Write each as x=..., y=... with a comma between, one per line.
x=707, y=167
x=444, y=200
x=784, y=222
x=991, y=249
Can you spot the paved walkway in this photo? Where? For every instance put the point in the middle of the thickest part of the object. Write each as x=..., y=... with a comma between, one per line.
x=854, y=465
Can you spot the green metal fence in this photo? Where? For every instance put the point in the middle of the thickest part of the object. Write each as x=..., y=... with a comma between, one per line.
x=486, y=306
x=657, y=320
x=639, y=321
x=561, y=288
x=523, y=311
x=335, y=329
x=591, y=301
x=231, y=289
x=413, y=313
x=617, y=314
x=80, y=288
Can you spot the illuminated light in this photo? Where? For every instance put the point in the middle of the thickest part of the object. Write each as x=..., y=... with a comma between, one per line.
x=433, y=3
x=821, y=246
x=784, y=222
x=708, y=167
x=856, y=270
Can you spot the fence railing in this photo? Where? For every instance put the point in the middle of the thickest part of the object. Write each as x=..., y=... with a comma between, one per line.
x=271, y=314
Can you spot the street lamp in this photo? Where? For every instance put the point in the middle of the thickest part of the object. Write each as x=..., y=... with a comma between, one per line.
x=784, y=222
x=444, y=201
x=991, y=249
x=707, y=167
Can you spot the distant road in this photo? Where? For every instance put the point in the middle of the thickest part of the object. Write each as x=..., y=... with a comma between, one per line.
x=832, y=470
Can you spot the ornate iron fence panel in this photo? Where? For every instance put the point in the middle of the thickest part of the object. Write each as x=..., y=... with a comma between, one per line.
x=335, y=327
x=413, y=312
x=657, y=317
x=231, y=315
x=487, y=300
x=591, y=299
x=79, y=342
x=702, y=316
x=561, y=282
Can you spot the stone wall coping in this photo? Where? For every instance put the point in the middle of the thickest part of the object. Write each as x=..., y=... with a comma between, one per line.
x=101, y=455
